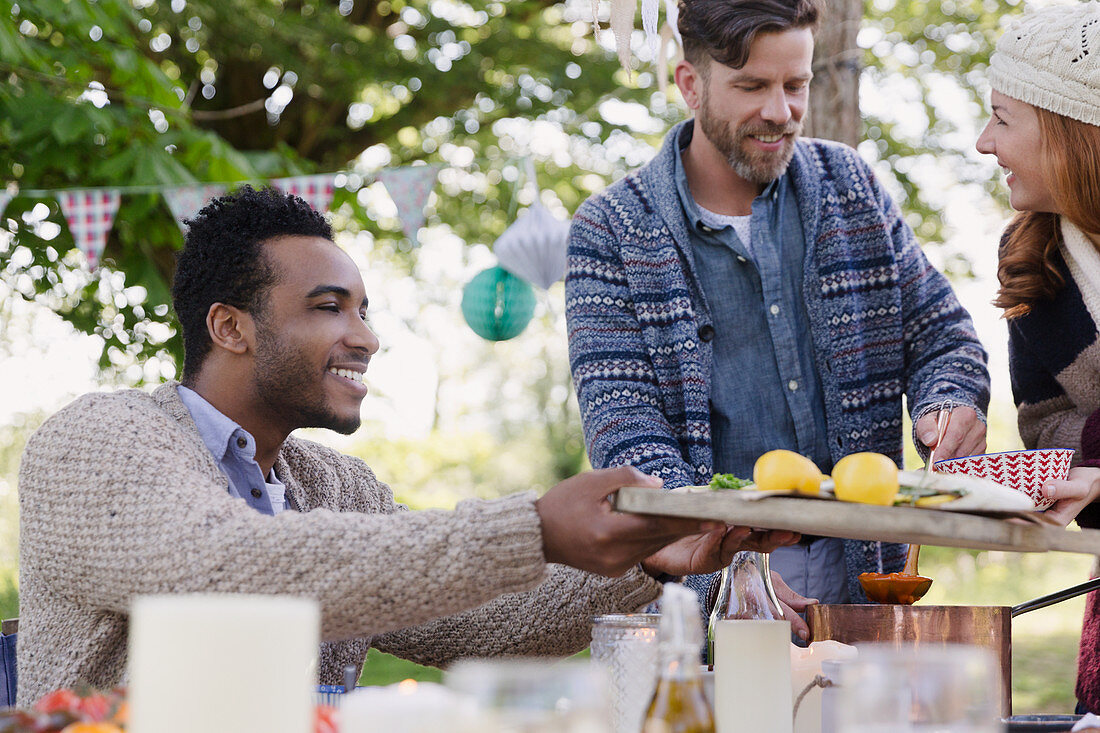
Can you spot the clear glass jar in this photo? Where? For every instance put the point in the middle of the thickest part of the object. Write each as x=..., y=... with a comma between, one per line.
x=625, y=647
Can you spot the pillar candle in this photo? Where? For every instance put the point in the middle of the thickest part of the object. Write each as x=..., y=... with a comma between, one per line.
x=752, y=676
x=222, y=664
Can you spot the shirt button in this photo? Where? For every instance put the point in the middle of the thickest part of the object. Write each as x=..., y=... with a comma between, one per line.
x=706, y=332
x=257, y=493
x=241, y=442
x=741, y=259
x=775, y=310
x=792, y=385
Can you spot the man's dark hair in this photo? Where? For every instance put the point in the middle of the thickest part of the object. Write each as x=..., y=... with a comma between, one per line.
x=222, y=260
x=725, y=29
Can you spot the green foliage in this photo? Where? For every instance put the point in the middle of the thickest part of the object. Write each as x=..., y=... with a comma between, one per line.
x=386, y=669
x=13, y=437
x=141, y=93
x=444, y=468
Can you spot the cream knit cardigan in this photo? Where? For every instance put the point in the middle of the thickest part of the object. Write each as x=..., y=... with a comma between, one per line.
x=119, y=497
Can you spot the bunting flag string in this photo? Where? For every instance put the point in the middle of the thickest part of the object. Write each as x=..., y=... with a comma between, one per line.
x=409, y=188
x=90, y=214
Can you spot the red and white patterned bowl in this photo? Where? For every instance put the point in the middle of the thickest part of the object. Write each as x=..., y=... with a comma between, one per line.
x=1023, y=470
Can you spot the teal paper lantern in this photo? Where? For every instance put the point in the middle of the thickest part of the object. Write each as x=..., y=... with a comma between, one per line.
x=497, y=304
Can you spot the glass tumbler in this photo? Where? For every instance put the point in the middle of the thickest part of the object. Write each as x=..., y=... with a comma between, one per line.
x=624, y=646
x=949, y=688
x=532, y=695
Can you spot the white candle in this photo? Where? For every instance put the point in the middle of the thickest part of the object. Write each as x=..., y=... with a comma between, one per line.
x=752, y=676
x=222, y=664
x=805, y=666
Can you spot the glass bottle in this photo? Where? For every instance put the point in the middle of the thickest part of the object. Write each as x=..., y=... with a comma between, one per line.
x=745, y=592
x=679, y=704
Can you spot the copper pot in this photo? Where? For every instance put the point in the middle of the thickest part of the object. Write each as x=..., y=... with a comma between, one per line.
x=916, y=626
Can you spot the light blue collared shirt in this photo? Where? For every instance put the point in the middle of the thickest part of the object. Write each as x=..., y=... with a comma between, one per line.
x=234, y=449
x=765, y=390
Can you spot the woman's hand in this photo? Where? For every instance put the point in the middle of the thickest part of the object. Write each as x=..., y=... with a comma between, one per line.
x=1078, y=490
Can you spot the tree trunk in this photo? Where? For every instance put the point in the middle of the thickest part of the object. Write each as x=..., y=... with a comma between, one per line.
x=834, y=93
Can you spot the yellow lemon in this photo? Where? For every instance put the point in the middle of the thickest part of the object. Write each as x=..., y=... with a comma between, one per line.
x=869, y=478
x=927, y=501
x=783, y=470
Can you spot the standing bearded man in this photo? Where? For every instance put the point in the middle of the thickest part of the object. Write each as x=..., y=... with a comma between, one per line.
x=749, y=290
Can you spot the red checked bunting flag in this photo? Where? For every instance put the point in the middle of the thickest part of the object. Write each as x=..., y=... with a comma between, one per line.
x=314, y=190
x=90, y=214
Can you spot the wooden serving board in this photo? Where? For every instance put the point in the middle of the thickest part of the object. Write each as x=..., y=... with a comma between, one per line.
x=860, y=521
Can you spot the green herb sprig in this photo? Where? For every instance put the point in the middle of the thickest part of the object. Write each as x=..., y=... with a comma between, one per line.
x=729, y=481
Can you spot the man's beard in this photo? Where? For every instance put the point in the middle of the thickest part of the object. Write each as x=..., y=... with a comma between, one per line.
x=286, y=381
x=755, y=166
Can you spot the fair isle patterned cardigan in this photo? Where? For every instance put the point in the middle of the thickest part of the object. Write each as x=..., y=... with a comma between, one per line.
x=884, y=324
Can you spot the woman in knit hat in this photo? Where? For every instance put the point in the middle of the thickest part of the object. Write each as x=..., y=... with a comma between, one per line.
x=1045, y=132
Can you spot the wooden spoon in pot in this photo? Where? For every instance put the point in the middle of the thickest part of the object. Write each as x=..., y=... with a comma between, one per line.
x=906, y=587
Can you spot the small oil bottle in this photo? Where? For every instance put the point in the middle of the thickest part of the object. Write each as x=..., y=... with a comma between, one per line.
x=679, y=704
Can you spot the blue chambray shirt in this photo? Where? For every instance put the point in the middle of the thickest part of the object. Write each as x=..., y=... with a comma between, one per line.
x=234, y=449
x=765, y=390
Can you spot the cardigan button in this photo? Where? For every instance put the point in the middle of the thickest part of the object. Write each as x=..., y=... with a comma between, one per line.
x=706, y=332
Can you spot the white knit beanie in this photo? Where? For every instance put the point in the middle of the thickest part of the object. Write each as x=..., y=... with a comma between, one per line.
x=1050, y=58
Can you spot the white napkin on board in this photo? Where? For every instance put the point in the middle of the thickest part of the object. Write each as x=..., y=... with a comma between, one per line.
x=1089, y=722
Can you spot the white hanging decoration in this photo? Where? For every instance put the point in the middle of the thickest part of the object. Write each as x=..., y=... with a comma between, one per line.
x=622, y=26
x=649, y=25
x=662, y=61
x=672, y=20
x=534, y=246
